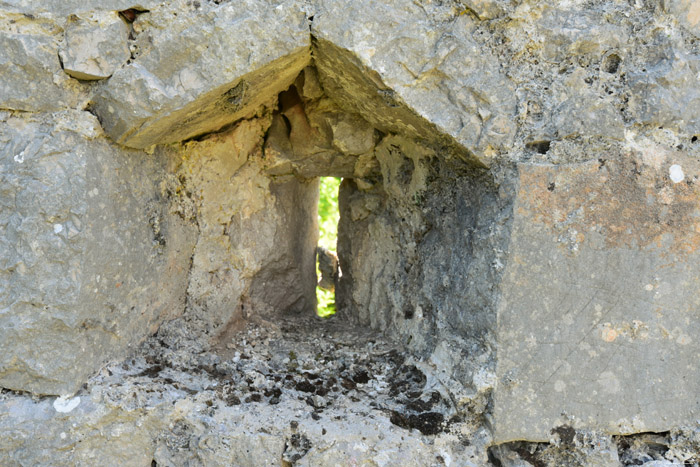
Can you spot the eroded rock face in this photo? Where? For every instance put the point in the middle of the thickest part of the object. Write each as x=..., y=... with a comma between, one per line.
x=29, y=50
x=686, y=12
x=257, y=236
x=308, y=393
x=93, y=260
x=399, y=270
x=63, y=8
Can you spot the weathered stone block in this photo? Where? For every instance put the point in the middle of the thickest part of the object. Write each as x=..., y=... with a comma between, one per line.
x=665, y=93
x=177, y=88
x=30, y=73
x=95, y=45
x=92, y=261
x=598, y=317
x=436, y=83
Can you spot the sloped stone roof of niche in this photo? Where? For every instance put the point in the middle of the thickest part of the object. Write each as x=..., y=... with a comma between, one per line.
x=195, y=73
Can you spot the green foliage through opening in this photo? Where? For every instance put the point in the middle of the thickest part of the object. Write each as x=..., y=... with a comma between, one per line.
x=328, y=217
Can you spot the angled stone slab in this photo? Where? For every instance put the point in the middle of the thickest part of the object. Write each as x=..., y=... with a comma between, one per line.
x=91, y=260
x=598, y=321
x=391, y=63
x=197, y=71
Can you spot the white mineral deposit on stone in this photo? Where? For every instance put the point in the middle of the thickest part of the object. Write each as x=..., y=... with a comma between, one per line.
x=57, y=228
x=65, y=404
x=19, y=158
x=676, y=173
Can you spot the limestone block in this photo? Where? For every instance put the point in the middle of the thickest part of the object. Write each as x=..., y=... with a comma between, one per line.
x=30, y=73
x=286, y=281
x=95, y=45
x=599, y=312
x=405, y=74
x=584, y=112
x=197, y=71
x=90, y=259
x=666, y=94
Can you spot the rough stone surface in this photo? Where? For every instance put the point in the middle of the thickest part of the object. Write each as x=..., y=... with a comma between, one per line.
x=95, y=45
x=201, y=66
x=307, y=393
x=63, y=8
x=518, y=217
x=435, y=83
x=311, y=136
x=253, y=231
x=399, y=269
x=92, y=261
x=600, y=296
x=687, y=12
x=328, y=268
x=485, y=9
x=31, y=78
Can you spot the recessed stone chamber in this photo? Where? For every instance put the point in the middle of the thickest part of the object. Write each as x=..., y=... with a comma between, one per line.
x=408, y=210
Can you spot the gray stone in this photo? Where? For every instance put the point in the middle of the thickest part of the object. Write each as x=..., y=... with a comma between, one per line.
x=134, y=413
x=92, y=260
x=597, y=318
x=577, y=31
x=352, y=135
x=30, y=73
x=95, y=45
x=196, y=71
x=585, y=112
x=398, y=266
x=519, y=214
x=435, y=84
x=255, y=253
x=662, y=95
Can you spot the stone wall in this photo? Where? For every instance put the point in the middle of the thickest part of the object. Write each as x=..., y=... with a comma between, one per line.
x=519, y=214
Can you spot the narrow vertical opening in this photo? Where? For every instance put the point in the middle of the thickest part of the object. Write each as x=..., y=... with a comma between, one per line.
x=327, y=270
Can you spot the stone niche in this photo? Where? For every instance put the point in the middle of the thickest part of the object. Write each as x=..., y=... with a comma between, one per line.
x=546, y=292
x=409, y=213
